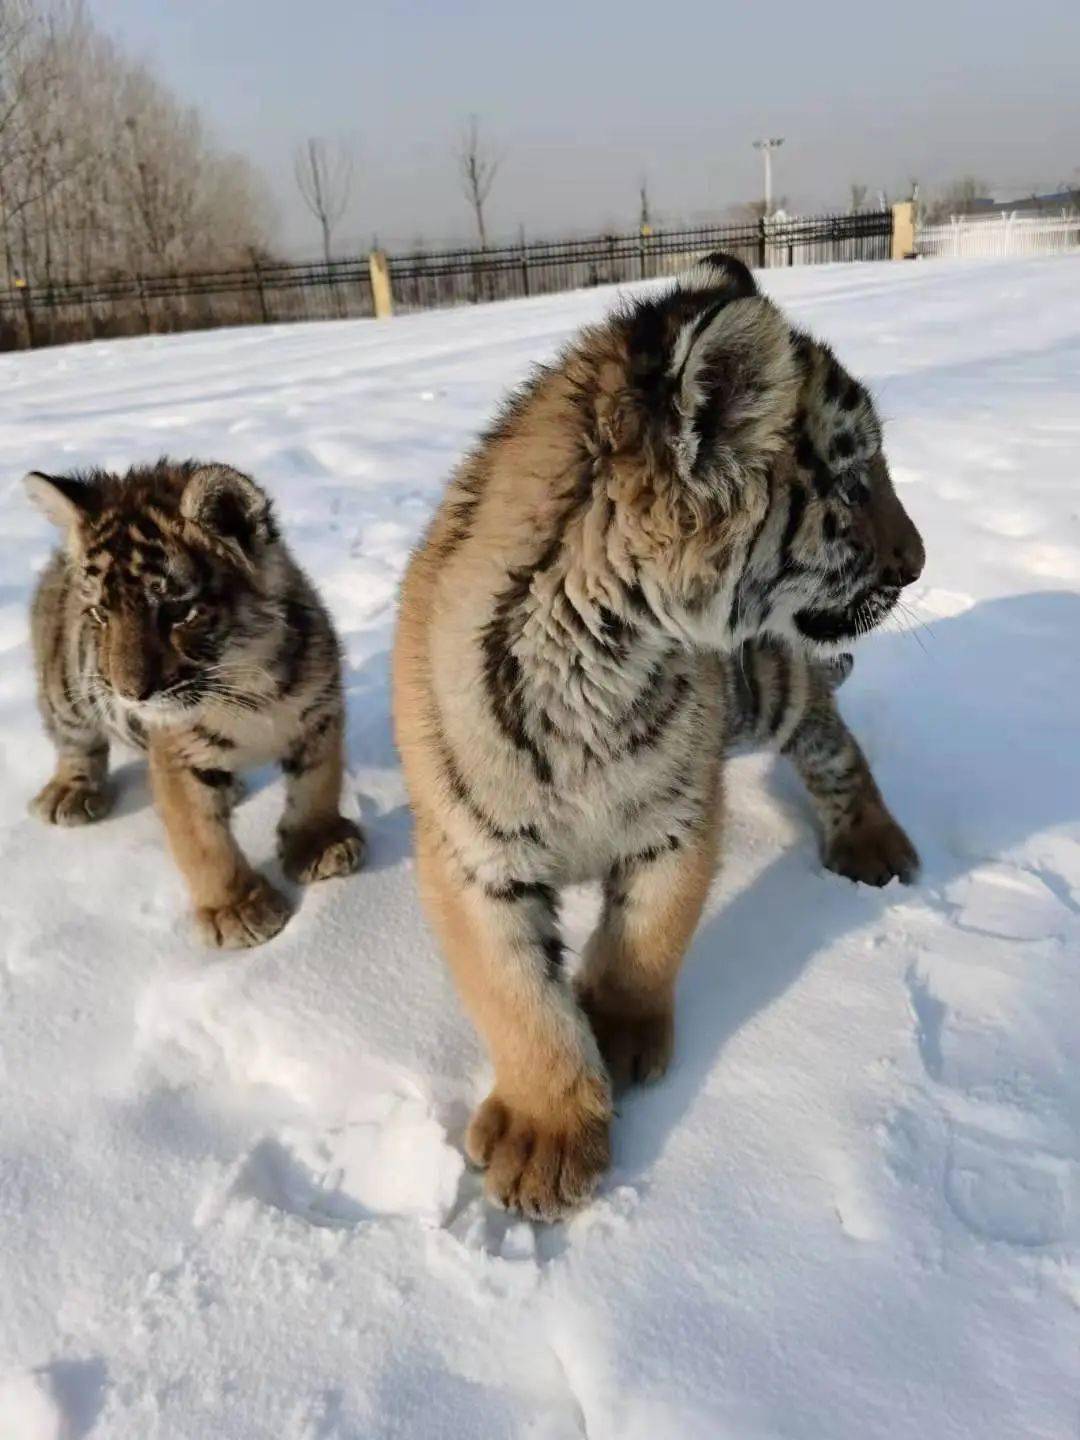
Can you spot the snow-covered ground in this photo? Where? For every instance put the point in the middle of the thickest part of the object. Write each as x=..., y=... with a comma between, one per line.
x=232, y=1199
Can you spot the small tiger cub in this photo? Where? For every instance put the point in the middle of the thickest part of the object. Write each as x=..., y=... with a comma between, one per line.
x=174, y=618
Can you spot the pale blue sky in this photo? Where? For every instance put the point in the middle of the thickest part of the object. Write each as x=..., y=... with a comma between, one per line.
x=581, y=98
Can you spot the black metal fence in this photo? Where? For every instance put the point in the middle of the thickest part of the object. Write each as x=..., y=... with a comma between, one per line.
x=457, y=277
x=259, y=294
x=270, y=293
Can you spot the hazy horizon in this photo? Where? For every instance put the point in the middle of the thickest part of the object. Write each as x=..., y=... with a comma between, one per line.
x=582, y=102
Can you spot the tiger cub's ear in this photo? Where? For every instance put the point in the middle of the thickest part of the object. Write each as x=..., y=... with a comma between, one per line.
x=721, y=273
x=735, y=382
x=64, y=501
x=229, y=507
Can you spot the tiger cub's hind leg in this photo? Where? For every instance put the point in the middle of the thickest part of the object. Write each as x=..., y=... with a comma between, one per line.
x=652, y=903
x=861, y=839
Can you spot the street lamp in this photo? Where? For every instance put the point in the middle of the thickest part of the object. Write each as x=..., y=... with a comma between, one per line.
x=767, y=147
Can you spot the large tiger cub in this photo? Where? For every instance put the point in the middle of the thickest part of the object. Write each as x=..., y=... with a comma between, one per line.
x=662, y=547
x=175, y=619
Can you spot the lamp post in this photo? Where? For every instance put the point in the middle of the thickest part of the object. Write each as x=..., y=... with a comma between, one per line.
x=767, y=147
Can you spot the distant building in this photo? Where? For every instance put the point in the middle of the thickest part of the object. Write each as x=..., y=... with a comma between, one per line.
x=999, y=202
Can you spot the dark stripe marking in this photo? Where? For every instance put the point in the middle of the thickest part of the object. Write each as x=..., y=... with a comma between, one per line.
x=216, y=779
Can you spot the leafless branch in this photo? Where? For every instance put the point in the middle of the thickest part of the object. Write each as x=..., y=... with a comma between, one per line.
x=324, y=177
x=477, y=167
x=644, y=207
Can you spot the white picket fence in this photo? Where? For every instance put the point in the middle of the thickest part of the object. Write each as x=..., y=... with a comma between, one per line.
x=1005, y=234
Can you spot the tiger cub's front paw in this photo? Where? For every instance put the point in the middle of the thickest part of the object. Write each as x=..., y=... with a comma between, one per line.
x=543, y=1166
x=873, y=851
x=332, y=847
x=71, y=802
x=256, y=916
x=635, y=1041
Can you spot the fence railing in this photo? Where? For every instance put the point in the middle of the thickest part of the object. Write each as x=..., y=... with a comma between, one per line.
x=967, y=236
x=157, y=304
x=455, y=277
x=262, y=293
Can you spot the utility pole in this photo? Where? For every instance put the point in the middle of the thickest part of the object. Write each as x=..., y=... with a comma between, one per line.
x=767, y=147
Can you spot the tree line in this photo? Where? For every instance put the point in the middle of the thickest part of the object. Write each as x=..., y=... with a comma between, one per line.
x=103, y=172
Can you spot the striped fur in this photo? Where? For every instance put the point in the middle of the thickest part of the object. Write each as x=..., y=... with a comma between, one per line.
x=174, y=619
x=658, y=551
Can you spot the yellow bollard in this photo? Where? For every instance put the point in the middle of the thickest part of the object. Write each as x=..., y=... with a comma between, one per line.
x=381, y=294
x=903, y=230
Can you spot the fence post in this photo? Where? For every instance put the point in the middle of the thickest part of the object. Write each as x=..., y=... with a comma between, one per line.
x=28, y=313
x=644, y=235
x=382, y=296
x=262, y=293
x=762, y=254
x=903, y=230
x=143, y=307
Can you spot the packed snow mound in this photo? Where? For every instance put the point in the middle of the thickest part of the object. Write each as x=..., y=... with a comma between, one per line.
x=28, y=1410
x=232, y=1196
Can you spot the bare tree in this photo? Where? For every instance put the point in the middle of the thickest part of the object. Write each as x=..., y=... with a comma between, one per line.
x=22, y=36
x=959, y=197
x=858, y=196
x=18, y=24
x=102, y=172
x=644, y=208
x=324, y=177
x=477, y=166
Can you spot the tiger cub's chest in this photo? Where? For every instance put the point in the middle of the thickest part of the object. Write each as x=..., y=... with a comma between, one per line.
x=212, y=737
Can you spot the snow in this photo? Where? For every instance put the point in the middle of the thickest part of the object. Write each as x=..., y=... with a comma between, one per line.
x=232, y=1197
